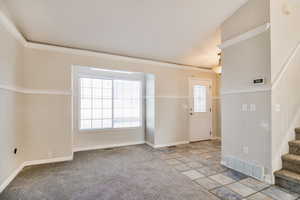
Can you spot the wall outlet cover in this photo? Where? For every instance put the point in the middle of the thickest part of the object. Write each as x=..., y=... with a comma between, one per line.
x=245, y=150
x=277, y=107
x=252, y=107
x=244, y=107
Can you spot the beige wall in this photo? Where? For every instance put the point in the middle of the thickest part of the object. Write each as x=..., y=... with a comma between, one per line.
x=266, y=55
x=285, y=36
x=251, y=15
x=11, y=105
x=47, y=126
x=243, y=62
x=48, y=70
x=285, y=32
x=40, y=125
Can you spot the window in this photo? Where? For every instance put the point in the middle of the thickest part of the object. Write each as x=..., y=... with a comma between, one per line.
x=200, y=98
x=106, y=103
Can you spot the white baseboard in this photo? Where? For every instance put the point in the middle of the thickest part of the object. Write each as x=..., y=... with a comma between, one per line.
x=77, y=149
x=59, y=159
x=170, y=144
x=30, y=163
x=46, y=161
x=11, y=177
x=270, y=179
x=244, y=168
x=150, y=144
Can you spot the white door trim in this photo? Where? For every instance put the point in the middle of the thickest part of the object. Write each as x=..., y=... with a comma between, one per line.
x=210, y=101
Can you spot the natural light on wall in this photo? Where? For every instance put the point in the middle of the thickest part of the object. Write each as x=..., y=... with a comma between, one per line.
x=217, y=69
x=109, y=103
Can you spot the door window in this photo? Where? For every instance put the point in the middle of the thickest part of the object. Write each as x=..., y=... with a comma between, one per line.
x=200, y=93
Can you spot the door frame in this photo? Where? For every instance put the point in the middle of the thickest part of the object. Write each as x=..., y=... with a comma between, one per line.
x=190, y=79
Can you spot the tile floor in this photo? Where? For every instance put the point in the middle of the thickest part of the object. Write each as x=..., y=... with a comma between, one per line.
x=200, y=162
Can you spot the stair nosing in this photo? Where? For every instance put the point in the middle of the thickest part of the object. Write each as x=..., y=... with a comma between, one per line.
x=289, y=157
x=294, y=142
x=287, y=177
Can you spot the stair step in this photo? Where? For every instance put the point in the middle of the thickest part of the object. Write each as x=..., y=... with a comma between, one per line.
x=288, y=180
x=297, y=130
x=294, y=147
x=291, y=162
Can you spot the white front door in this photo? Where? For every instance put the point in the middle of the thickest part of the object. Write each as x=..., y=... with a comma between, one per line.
x=200, y=118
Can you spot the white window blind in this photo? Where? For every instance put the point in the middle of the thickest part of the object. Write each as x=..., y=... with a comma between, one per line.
x=108, y=104
x=200, y=92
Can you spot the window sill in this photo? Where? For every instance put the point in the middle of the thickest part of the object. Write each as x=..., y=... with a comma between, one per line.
x=108, y=130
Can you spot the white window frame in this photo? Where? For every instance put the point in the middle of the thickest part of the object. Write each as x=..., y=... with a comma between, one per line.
x=86, y=72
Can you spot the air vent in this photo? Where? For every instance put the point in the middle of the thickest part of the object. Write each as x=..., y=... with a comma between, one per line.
x=244, y=167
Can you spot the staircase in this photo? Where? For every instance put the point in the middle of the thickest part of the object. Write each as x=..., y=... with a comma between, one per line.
x=289, y=176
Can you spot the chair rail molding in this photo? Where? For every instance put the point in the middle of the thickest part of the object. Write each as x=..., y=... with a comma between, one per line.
x=249, y=90
x=245, y=36
x=21, y=90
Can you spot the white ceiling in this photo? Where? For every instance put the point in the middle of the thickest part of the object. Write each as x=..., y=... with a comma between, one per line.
x=177, y=31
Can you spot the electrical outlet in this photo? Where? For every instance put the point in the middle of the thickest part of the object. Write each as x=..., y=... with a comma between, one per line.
x=252, y=107
x=277, y=107
x=245, y=150
x=244, y=107
x=49, y=154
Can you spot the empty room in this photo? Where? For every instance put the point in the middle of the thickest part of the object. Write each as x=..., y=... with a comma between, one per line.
x=149, y=100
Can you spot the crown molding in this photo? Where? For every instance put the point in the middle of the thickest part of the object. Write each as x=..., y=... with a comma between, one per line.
x=82, y=52
x=245, y=36
x=11, y=28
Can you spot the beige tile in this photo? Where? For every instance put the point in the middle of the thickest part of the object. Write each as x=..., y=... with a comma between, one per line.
x=259, y=196
x=184, y=159
x=207, y=183
x=222, y=179
x=254, y=184
x=193, y=174
x=167, y=156
x=182, y=167
x=173, y=162
x=194, y=164
x=241, y=189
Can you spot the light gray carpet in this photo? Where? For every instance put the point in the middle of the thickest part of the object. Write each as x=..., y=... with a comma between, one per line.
x=128, y=173
x=184, y=172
